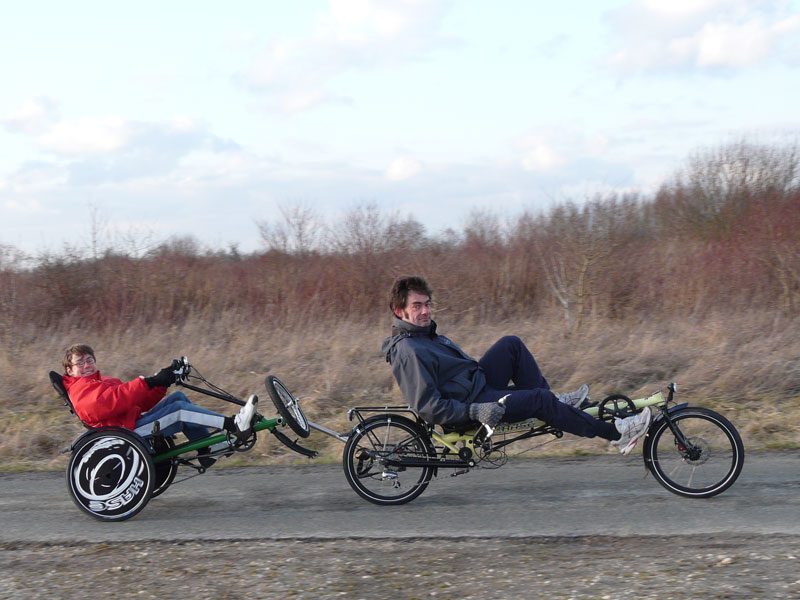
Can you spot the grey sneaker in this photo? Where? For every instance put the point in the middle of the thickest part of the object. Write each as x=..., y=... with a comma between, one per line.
x=575, y=398
x=631, y=429
x=245, y=417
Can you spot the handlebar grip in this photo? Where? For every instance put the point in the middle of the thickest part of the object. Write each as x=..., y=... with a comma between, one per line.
x=181, y=367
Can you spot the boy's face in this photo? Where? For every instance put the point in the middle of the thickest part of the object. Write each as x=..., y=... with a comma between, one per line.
x=82, y=365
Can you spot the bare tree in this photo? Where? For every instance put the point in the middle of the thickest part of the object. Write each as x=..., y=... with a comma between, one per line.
x=97, y=231
x=574, y=248
x=297, y=233
x=719, y=185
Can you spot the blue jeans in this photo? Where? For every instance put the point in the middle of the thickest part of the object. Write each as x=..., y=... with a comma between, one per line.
x=509, y=360
x=176, y=414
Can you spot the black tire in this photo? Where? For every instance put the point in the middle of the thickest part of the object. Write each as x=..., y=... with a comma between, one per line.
x=110, y=475
x=385, y=436
x=288, y=406
x=166, y=470
x=711, y=462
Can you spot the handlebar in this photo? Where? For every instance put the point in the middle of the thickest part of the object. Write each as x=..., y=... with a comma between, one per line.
x=673, y=389
x=488, y=428
x=181, y=367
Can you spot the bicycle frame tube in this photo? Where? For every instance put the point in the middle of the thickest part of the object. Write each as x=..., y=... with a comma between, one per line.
x=212, y=393
x=450, y=439
x=652, y=400
x=213, y=439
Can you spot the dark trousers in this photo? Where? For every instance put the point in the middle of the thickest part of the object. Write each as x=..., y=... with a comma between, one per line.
x=510, y=361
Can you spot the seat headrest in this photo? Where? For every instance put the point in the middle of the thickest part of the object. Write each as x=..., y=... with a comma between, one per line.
x=58, y=384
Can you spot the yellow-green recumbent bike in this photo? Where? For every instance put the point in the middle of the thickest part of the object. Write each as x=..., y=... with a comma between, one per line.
x=391, y=456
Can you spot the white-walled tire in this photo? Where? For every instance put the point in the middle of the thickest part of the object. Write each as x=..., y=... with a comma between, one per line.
x=110, y=474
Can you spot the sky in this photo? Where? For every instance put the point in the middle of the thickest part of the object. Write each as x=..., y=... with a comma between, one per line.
x=149, y=120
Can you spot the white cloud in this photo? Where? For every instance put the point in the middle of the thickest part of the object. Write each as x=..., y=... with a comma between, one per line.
x=542, y=157
x=31, y=206
x=732, y=45
x=96, y=150
x=708, y=34
x=682, y=9
x=184, y=124
x=403, y=168
x=36, y=177
x=35, y=116
x=87, y=136
x=551, y=148
x=352, y=34
x=364, y=20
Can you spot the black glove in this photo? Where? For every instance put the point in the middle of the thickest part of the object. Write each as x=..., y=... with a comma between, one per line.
x=488, y=413
x=164, y=378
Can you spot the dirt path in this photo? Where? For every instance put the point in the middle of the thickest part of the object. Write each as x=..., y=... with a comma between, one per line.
x=708, y=567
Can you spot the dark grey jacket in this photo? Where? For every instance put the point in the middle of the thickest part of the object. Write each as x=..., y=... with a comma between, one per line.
x=437, y=378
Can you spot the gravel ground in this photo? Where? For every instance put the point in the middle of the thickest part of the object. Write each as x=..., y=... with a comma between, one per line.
x=708, y=567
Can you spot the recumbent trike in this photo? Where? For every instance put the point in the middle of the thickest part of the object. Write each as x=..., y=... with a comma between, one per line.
x=113, y=473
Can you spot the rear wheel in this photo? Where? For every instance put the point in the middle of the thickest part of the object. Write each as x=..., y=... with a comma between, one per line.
x=288, y=406
x=705, y=462
x=371, y=448
x=110, y=475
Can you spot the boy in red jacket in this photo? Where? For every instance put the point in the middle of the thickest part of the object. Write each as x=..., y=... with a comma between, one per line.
x=106, y=401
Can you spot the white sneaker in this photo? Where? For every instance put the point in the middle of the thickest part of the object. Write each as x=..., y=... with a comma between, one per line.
x=245, y=417
x=631, y=429
x=574, y=398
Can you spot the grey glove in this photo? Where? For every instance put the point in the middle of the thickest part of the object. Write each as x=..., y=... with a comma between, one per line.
x=488, y=413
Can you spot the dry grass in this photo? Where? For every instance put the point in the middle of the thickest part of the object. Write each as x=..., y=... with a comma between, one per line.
x=746, y=366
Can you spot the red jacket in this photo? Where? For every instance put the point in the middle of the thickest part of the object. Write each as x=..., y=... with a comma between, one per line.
x=106, y=401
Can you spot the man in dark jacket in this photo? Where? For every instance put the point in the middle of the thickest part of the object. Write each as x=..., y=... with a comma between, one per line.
x=447, y=387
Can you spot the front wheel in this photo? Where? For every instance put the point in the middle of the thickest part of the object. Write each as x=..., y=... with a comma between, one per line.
x=702, y=458
x=372, y=447
x=110, y=474
x=288, y=406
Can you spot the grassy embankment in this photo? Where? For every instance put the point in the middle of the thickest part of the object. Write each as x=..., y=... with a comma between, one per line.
x=746, y=366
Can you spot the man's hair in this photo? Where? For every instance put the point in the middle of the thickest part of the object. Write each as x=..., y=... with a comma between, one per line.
x=80, y=350
x=402, y=286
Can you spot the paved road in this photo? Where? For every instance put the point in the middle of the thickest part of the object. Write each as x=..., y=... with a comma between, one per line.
x=601, y=495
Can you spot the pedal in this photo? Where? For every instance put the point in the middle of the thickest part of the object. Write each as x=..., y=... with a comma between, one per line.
x=459, y=472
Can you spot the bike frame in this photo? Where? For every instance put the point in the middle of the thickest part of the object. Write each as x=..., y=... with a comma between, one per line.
x=263, y=424
x=216, y=438
x=449, y=441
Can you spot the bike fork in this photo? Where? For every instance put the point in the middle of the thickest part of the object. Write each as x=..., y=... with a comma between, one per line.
x=680, y=439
